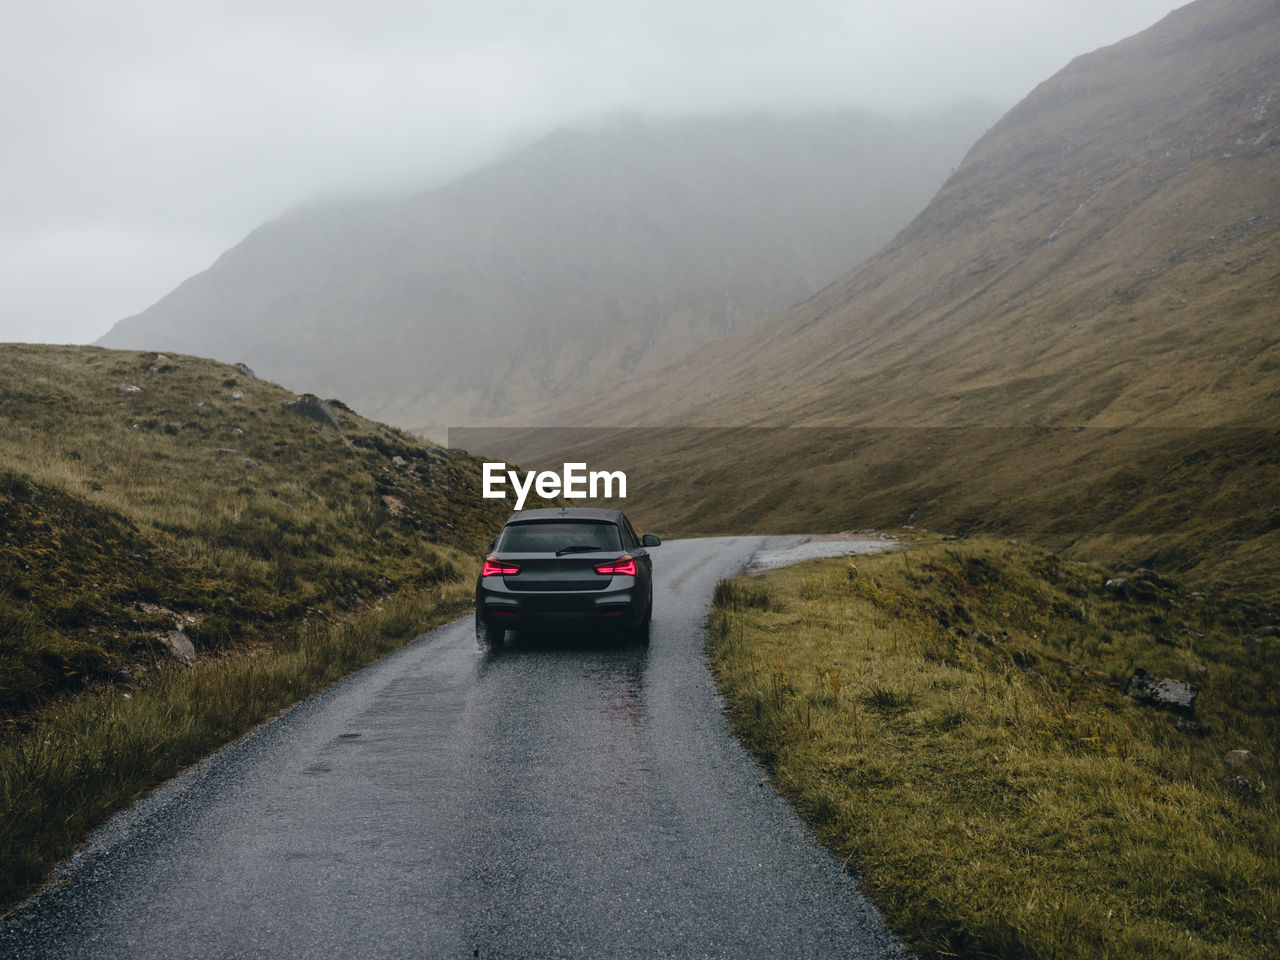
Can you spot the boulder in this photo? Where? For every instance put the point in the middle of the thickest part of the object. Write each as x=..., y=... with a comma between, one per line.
x=244, y=369
x=179, y=645
x=1150, y=576
x=1163, y=693
x=311, y=407
x=1140, y=587
x=1242, y=784
x=1188, y=725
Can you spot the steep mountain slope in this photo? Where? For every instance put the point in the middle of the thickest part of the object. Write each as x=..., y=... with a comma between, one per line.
x=582, y=258
x=1107, y=257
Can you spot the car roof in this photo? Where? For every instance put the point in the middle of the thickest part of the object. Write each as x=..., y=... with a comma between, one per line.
x=566, y=513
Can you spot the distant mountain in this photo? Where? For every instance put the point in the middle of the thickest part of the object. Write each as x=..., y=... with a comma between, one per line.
x=1077, y=338
x=588, y=256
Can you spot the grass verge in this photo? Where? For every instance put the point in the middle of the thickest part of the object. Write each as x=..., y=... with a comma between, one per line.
x=83, y=759
x=953, y=720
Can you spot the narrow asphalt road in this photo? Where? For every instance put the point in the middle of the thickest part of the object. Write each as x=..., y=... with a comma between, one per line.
x=561, y=797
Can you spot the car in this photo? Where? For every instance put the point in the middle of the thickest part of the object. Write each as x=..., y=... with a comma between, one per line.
x=566, y=568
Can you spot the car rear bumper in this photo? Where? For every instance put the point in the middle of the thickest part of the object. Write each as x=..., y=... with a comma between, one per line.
x=621, y=604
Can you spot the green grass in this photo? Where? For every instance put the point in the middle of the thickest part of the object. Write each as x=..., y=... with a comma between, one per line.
x=953, y=721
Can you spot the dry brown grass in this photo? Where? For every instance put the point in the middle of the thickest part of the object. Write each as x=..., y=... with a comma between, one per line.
x=953, y=721
x=271, y=540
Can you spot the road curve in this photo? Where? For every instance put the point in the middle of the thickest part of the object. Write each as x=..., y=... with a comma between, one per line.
x=561, y=797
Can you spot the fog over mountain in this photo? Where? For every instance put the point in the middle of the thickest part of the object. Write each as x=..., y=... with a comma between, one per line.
x=144, y=137
x=588, y=256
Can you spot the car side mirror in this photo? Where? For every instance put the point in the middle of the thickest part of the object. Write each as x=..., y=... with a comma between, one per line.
x=649, y=540
x=493, y=543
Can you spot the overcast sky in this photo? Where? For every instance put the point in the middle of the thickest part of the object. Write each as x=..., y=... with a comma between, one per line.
x=141, y=138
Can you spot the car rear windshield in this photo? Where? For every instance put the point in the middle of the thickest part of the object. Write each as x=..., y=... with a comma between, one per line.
x=551, y=536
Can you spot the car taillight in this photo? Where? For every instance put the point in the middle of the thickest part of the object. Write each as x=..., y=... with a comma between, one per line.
x=493, y=567
x=622, y=567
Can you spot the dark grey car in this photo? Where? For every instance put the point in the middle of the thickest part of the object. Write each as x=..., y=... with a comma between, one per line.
x=566, y=568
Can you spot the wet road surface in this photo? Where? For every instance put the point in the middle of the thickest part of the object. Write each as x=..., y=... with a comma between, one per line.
x=560, y=797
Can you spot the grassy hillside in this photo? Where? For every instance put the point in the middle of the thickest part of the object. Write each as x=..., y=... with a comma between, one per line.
x=1075, y=341
x=581, y=258
x=955, y=721
x=182, y=555
x=197, y=504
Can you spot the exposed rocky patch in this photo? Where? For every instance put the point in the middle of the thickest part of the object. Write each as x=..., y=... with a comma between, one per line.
x=1163, y=693
x=1238, y=758
x=1118, y=587
x=179, y=645
x=310, y=407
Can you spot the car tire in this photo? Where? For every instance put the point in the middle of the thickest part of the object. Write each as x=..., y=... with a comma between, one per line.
x=488, y=635
x=640, y=632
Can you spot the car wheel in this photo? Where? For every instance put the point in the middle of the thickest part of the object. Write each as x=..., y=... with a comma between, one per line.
x=640, y=632
x=488, y=635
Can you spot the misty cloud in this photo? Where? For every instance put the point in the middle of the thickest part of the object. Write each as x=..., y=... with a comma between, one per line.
x=143, y=138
